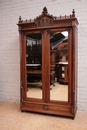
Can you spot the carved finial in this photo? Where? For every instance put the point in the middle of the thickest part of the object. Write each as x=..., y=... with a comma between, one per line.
x=70, y=16
x=20, y=19
x=73, y=13
x=45, y=10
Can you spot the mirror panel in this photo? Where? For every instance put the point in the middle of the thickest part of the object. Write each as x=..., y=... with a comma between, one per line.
x=59, y=66
x=34, y=65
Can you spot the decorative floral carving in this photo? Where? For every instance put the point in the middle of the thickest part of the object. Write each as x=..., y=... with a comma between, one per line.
x=44, y=22
x=45, y=107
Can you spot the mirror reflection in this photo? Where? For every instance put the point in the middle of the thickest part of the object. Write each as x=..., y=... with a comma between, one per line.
x=59, y=66
x=34, y=65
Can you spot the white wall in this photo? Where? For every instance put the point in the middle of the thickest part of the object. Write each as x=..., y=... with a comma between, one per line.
x=10, y=10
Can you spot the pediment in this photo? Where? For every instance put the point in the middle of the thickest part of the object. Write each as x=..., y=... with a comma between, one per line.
x=44, y=20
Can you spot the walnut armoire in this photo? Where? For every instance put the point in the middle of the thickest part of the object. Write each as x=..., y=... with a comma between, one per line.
x=44, y=67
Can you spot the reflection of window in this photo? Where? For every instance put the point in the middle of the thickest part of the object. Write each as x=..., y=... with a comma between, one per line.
x=65, y=33
x=33, y=49
x=31, y=41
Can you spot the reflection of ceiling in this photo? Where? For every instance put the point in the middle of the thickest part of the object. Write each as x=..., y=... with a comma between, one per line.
x=34, y=36
x=56, y=39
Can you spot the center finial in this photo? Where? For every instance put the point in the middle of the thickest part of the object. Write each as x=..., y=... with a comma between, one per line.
x=45, y=10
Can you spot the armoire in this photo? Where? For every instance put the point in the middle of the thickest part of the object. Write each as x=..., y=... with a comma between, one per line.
x=48, y=64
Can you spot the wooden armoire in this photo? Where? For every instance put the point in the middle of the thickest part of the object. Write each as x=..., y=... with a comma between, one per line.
x=40, y=63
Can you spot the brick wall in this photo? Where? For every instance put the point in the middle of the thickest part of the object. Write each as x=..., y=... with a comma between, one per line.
x=9, y=42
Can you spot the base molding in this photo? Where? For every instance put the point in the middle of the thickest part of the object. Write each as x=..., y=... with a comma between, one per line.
x=60, y=110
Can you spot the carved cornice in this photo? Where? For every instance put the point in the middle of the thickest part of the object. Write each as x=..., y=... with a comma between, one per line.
x=47, y=20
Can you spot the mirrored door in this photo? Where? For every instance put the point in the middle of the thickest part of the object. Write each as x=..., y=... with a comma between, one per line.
x=58, y=72
x=34, y=65
x=59, y=66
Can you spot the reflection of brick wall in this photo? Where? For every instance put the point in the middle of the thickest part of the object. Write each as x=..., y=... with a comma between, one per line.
x=9, y=42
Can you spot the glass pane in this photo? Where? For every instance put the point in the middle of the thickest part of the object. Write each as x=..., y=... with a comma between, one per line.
x=34, y=65
x=59, y=66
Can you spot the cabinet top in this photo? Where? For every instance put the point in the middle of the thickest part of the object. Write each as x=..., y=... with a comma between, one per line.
x=46, y=20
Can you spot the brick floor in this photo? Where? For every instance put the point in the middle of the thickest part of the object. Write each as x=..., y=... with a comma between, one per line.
x=11, y=118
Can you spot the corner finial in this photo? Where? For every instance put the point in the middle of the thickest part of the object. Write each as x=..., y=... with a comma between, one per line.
x=45, y=10
x=20, y=19
x=73, y=13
